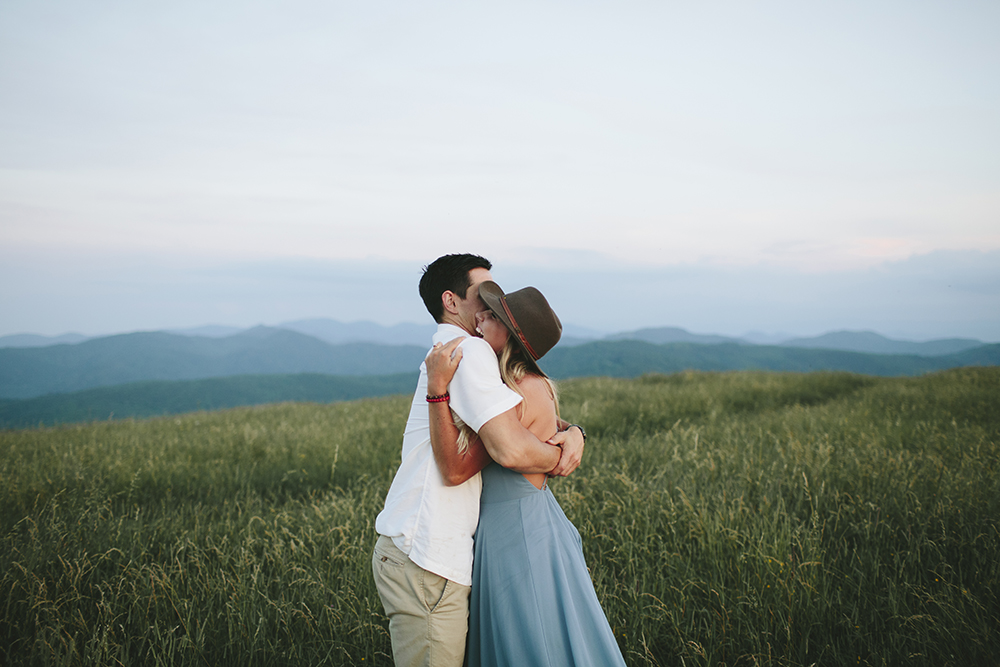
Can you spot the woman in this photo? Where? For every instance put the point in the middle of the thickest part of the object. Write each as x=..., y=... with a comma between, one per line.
x=533, y=602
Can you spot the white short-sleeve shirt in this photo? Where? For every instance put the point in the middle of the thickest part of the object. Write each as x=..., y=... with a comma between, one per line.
x=430, y=522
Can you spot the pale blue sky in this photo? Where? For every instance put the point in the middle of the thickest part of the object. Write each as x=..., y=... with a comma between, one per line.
x=721, y=167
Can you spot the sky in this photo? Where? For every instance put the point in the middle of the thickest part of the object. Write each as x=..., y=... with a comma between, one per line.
x=724, y=167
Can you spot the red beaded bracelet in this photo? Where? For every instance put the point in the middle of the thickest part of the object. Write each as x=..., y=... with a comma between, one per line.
x=438, y=399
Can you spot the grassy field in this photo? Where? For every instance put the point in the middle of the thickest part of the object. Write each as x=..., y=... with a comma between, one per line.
x=728, y=519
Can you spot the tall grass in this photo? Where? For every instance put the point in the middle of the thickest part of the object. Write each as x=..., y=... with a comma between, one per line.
x=728, y=519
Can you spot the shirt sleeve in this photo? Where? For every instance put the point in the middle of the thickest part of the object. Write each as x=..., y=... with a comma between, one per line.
x=477, y=392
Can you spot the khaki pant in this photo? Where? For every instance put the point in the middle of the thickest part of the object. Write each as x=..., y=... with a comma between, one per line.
x=428, y=614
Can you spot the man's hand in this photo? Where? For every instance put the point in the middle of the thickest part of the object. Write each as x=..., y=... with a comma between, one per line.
x=441, y=366
x=571, y=441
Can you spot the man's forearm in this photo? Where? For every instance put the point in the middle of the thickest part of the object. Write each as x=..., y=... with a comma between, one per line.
x=511, y=445
x=455, y=468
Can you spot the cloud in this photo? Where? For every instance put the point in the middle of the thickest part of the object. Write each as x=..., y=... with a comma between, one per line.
x=657, y=164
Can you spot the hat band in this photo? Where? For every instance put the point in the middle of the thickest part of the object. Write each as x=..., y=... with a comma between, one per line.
x=517, y=329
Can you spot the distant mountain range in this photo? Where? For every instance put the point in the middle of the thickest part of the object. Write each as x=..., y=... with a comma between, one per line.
x=664, y=335
x=169, y=355
x=631, y=358
x=27, y=372
x=35, y=340
x=847, y=341
x=337, y=333
x=152, y=373
x=869, y=341
x=137, y=357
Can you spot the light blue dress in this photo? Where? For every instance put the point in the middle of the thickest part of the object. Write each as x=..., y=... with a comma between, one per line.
x=533, y=603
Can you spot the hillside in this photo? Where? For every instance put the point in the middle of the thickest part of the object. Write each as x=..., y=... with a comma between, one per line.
x=150, y=399
x=624, y=359
x=631, y=358
x=746, y=518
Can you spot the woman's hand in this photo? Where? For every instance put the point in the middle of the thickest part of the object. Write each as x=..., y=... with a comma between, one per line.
x=442, y=362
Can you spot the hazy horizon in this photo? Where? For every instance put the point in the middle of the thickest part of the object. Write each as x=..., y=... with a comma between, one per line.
x=739, y=301
x=571, y=330
x=939, y=295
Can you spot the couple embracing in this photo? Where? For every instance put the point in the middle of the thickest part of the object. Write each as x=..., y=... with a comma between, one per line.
x=472, y=544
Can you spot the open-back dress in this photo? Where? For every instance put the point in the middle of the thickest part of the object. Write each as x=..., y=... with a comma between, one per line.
x=533, y=603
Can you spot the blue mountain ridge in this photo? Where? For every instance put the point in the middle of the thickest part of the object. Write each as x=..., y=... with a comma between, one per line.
x=136, y=357
x=336, y=332
x=161, y=356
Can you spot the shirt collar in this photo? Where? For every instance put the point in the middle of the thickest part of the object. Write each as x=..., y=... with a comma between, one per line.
x=447, y=332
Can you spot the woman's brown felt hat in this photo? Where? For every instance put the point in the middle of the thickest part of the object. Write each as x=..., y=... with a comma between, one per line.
x=528, y=317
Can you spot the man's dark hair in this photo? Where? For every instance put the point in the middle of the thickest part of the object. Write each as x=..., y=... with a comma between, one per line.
x=449, y=273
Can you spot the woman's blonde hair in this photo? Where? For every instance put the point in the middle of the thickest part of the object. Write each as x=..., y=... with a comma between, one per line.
x=513, y=368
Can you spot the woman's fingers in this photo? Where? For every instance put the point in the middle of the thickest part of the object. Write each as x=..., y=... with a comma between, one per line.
x=442, y=362
x=450, y=349
x=453, y=351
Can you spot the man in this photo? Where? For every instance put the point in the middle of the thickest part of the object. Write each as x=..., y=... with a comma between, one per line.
x=423, y=558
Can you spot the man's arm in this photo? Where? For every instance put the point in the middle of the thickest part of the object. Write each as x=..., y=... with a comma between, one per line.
x=456, y=468
x=515, y=447
x=503, y=438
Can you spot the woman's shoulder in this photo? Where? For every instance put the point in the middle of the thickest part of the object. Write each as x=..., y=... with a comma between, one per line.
x=535, y=386
x=539, y=407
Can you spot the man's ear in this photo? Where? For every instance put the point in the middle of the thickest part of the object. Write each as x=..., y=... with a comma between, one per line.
x=448, y=299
